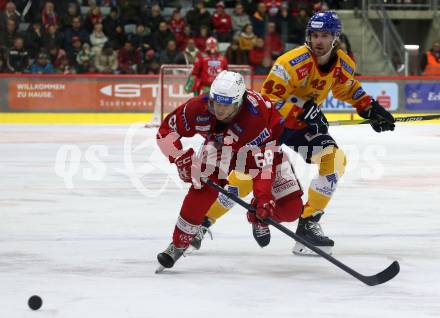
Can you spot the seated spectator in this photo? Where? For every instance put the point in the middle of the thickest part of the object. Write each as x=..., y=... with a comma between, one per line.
x=97, y=38
x=110, y=22
x=142, y=38
x=272, y=8
x=130, y=11
x=18, y=56
x=187, y=35
x=162, y=37
x=73, y=10
x=191, y=52
x=259, y=20
x=149, y=64
x=221, y=23
x=177, y=27
x=247, y=38
x=65, y=66
x=198, y=17
x=34, y=39
x=285, y=24
x=86, y=67
x=4, y=67
x=239, y=19
x=345, y=45
x=76, y=30
x=53, y=37
x=299, y=26
x=48, y=15
x=42, y=65
x=258, y=53
x=73, y=50
x=235, y=55
x=155, y=18
x=119, y=37
x=201, y=38
x=55, y=55
x=273, y=42
x=94, y=16
x=264, y=67
x=128, y=58
x=86, y=53
x=106, y=60
x=10, y=13
x=430, y=62
x=8, y=35
x=171, y=55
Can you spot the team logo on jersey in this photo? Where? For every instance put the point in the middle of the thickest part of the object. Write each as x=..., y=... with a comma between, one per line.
x=299, y=59
x=304, y=70
x=358, y=93
x=214, y=63
x=332, y=179
x=347, y=67
x=252, y=99
x=253, y=109
x=260, y=138
x=203, y=128
x=279, y=71
x=279, y=104
x=203, y=119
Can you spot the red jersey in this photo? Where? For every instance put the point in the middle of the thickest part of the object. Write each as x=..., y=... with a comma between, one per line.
x=222, y=23
x=248, y=141
x=206, y=67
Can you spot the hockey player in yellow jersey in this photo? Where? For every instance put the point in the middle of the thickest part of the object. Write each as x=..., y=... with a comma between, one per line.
x=298, y=83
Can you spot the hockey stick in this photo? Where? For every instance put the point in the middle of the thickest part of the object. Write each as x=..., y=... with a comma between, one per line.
x=379, y=278
x=398, y=120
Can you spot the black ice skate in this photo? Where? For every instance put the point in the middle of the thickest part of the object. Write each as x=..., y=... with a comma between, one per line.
x=168, y=257
x=261, y=233
x=196, y=242
x=310, y=229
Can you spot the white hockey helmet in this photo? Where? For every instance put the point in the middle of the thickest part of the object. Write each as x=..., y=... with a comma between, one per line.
x=228, y=88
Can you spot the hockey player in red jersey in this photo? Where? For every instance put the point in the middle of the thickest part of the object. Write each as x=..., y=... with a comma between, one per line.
x=240, y=128
x=206, y=67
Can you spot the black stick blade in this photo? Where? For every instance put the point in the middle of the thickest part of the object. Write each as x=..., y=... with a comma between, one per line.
x=388, y=273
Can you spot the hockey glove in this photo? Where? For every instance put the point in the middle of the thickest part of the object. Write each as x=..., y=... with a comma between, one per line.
x=314, y=118
x=265, y=209
x=189, y=85
x=184, y=163
x=380, y=118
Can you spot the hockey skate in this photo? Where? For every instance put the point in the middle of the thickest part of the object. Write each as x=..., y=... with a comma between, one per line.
x=168, y=257
x=261, y=233
x=310, y=230
x=196, y=242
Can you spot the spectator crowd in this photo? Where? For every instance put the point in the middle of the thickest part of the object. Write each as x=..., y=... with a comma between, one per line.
x=134, y=36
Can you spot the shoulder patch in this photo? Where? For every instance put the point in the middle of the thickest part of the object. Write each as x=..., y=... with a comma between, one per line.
x=260, y=138
x=299, y=59
x=304, y=70
x=347, y=67
x=279, y=71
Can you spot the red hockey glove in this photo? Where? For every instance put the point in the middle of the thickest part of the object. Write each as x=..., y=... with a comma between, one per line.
x=265, y=209
x=184, y=163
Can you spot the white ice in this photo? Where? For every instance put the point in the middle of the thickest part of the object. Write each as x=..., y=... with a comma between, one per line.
x=85, y=209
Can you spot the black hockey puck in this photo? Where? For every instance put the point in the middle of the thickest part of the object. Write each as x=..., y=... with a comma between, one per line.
x=35, y=302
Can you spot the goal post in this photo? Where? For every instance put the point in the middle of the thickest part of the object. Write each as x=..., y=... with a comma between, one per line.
x=171, y=93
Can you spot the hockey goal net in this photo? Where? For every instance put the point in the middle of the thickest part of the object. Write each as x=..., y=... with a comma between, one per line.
x=171, y=94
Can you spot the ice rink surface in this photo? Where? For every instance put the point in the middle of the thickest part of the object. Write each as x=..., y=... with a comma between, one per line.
x=85, y=209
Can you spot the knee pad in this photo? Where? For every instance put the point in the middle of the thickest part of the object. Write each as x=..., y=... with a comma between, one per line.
x=332, y=160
